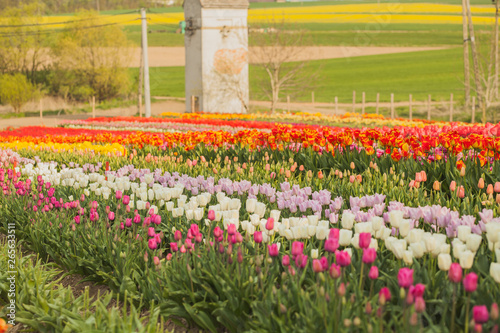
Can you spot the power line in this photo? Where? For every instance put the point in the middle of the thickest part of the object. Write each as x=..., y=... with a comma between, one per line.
x=57, y=23
x=46, y=32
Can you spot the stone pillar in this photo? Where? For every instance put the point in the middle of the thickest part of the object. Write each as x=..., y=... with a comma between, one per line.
x=216, y=42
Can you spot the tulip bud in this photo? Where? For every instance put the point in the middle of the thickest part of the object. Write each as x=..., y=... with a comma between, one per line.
x=494, y=311
x=436, y=186
x=480, y=184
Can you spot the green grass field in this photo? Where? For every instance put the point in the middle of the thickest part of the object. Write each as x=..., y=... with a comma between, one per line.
x=419, y=73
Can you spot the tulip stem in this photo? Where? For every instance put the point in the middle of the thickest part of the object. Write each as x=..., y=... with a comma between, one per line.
x=453, y=309
x=361, y=279
x=467, y=314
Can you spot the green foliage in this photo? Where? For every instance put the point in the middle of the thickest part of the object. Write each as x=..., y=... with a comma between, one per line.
x=90, y=61
x=16, y=90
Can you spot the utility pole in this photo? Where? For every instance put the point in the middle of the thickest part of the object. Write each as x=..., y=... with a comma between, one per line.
x=97, y=5
x=496, y=50
x=147, y=92
x=475, y=60
x=141, y=73
x=466, y=55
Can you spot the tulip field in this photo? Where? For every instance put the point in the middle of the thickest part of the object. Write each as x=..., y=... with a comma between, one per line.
x=254, y=223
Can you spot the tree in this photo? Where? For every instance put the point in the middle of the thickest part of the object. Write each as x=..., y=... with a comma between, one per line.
x=16, y=90
x=276, y=50
x=91, y=59
x=23, y=43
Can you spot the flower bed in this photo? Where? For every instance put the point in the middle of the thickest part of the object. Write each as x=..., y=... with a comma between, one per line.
x=294, y=228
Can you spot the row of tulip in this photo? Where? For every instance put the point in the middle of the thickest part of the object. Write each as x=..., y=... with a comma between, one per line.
x=180, y=249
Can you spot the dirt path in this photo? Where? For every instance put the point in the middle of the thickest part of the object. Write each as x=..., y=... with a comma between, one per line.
x=175, y=56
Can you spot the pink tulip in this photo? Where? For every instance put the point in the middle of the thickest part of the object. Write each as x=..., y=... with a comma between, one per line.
x=77, y=219
x=151, y=232
x=297, y=248
x=177, y=235
x=489, y=189
x=373, y=273
x=480, y=314
x=418, y=290
x=331, y=244
x=270, y=224
x=494, y=311
x=174, y=247
x=419, y=304
x=470, y=282
x=273, y=250
x=152, y=244
x=418, y=177
x=126, y=200
x=461, y=192
x=369, y=256
x=364, y=240
x=335, y=271
x=211, y=215
x=156, y=261
x=341, y=290
x=384, y=295
x=137, y=219
x=218, y=232
x=480, y=183
x=183, y=249
x=286, y=260
x=111, y=216
x=324, y=263
x=497, y=187
x=257, y=237
x=317, y=266
x=453, y=186
x=198, y=238
x=343, y=258
x=334, y=234
x=118, y=195
x=405, y=277
x=455, y=273
x=231, y=229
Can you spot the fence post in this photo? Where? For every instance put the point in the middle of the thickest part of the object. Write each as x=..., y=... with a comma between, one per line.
x=312, y=97
x=336, y=105
x=411, y=108
x=93, y=106
x=429, y=107
x=192, y=104
x=41, y=109
x=363, y=107
x=473, y=120
x=378, y=100
x=288, y=103
x=451, y=107
x=392, y=106
x=354, y=101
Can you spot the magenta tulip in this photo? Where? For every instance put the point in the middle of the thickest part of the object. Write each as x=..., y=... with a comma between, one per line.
x=470, y=282
x=286, y=260
x=177, y=235
x=405, y=277
x=273, y=250
x=334, y=233
x=152, y=244
x=343, y=258
x=335, y=271
x=126, y=200
x=331, y=244
x=174, y=247
x=373, y=273
x=257, y=237
x=455, y=273
x=480, y=314
x=297, y=248
x=231, y=229
x=211, y=215
x=364, y=240
x=369, y=256
x=418, y=290
x=111, y=216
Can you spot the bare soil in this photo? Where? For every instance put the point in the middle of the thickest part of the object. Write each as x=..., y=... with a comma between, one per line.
x=176, y=56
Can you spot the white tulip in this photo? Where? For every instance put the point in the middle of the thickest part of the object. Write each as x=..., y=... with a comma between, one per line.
x=250, y=228
x=458, y=249
x=373, y=244
x=321, y=233
x=463, y=232
x=495, y=271
x=324, y=224
x=445, y=248
x=415, y=235
x=404, y=227
x=466, y=259
x=169, y=206
x=289, y=234
x=220, y=196
x=398, y=248
x=473, y=242
x=363, y=227
x=355, y=241
x=377, y=223
x=235, y=204
x=198, y=214
x=255, y=219
x=345, y=237
x=275, y=214
x=314, y=253
x=444, y=261
x=294, y=221
x=312, y=220
x=417, y=249
x=260, y=209
x=347, y=220
x=189, y=214
x=408, y=258
x=286, y=223
x=395, y=218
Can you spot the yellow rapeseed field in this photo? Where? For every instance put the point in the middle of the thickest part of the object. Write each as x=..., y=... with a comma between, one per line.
x=357, y=13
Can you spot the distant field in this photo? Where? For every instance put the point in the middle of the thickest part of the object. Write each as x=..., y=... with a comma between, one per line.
x=420, y=73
